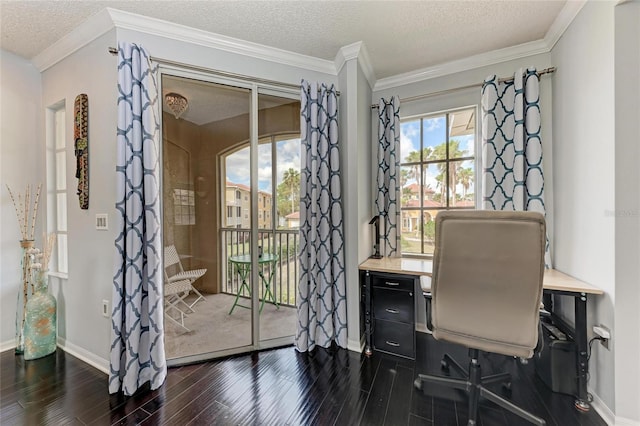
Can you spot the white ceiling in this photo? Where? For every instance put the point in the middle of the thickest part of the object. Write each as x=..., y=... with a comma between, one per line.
x=400, y=36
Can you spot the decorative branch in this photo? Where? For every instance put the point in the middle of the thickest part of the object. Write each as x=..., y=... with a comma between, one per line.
x=27, y=206
x=35, y=211
x=48, y=242
x=23, y=211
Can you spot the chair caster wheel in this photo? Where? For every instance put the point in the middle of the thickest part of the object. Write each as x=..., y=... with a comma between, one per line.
x=507, y=385
x=444, y=365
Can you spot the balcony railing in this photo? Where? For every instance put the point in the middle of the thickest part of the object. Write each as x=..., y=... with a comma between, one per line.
x=283, y=242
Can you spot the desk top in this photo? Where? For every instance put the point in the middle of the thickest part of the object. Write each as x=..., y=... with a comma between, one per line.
x=553, y=280
x=246, y=258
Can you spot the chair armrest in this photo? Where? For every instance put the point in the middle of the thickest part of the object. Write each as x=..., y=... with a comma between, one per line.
x=425, y=285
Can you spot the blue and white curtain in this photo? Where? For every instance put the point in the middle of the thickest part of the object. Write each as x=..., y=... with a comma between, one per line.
x=322, y=303
x=388, y=177
x=137, y=348
x=512, y=171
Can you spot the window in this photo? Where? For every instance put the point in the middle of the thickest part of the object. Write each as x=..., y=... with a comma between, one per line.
x=437, y=172
x=184, y=207
x=278, y=171
x=57, y=186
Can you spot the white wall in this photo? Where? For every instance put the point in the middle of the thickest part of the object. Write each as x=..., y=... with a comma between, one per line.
x=470, y=97
x=584, y=171
x=365, y=181
x=21, y=163
x=355, y=139
x=627, y=210
x=81, y=327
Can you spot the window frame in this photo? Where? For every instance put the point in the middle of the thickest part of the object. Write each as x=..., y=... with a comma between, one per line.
x=57, y=188
x=477, y=162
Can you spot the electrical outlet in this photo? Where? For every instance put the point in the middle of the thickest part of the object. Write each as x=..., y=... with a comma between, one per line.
x=105, y=308
x=604, y=333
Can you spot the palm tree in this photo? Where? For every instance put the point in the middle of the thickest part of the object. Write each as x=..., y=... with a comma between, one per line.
x=465, y=178
x=414, y=157
x=291, y=181
x=440, y=153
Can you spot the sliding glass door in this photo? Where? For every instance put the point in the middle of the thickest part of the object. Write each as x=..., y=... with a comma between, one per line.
x=230, y=194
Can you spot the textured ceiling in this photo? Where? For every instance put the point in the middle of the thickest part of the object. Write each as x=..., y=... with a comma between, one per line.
x=400, y=36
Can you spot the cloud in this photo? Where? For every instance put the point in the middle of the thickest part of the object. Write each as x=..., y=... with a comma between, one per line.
x=409, y=138
x=432, y=124
x=237, y=166
x=288, y=156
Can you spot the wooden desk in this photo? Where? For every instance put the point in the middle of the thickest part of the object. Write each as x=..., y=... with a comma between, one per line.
x=555, y=282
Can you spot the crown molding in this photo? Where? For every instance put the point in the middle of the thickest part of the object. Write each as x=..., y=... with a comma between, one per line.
x=357, y=51
x=157, y=27
x=562, y=21
x=557, y=28
x=109, y=18
x=472, y=62
x=94, y=27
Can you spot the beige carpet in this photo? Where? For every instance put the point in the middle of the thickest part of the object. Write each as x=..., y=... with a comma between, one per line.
x=213, y=329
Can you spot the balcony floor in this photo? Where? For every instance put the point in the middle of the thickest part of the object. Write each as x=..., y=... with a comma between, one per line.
x=213, y=329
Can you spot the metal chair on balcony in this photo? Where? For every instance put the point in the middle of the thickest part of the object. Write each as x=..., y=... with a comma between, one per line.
x=172, y=261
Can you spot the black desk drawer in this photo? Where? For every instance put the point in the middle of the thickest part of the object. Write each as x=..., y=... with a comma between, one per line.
x=393, y=305
x=394, y=337
x=392, y=282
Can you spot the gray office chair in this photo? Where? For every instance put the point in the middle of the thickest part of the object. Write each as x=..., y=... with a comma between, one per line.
x=486, y=290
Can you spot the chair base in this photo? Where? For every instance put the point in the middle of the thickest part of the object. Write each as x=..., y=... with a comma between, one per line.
x=474, y=385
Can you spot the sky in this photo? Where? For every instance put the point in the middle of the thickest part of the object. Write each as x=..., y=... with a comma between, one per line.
x=288, y=156
x=434, y=132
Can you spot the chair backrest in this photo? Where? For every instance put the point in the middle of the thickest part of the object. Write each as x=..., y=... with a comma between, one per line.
x=488, y=268
x=171, y=259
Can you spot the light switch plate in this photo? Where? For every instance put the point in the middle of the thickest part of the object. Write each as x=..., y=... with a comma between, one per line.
x=102, y=222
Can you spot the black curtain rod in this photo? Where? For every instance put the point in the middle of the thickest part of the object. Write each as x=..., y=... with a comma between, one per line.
x=470, y=86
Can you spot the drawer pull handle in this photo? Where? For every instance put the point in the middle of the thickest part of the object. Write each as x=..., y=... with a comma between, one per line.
x=392, y=311
x=392, y=344
x=392, y=284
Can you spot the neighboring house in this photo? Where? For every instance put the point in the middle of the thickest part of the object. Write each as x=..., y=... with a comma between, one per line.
x=292, y=220
x=238, y=207
x=238, y=203
x=411, y=218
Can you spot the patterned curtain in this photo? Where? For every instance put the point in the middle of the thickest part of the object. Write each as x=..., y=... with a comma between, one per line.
x=322, y=310
x=512, y=177
x=388, y=197
x=137, y=348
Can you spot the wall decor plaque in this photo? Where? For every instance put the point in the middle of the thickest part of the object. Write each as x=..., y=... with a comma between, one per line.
x=81, y=137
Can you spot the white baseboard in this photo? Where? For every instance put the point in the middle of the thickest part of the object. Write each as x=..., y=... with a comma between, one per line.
x=621, y=421
x=356, y=346
x=607, y=415
x=84, y=355
x=602, y=409
x=9, y=344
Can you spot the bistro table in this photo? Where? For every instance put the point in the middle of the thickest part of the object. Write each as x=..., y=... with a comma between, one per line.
x=242, y=263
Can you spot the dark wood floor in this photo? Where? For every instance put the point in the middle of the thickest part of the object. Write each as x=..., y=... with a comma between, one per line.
x=273, y=387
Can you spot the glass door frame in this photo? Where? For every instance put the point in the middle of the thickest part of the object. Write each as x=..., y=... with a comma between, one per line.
x=255, y=90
